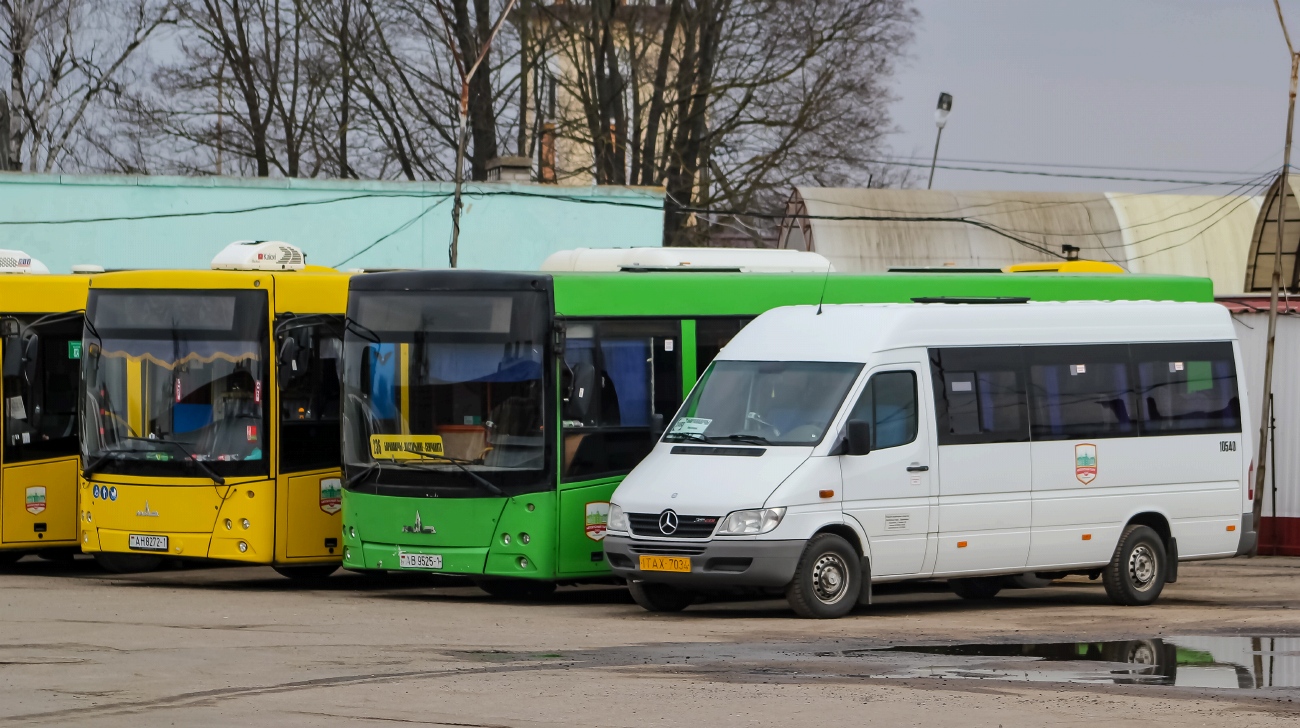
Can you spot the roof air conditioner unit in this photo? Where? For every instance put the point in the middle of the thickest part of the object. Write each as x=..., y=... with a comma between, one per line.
x=16, y=261
x=259, y=255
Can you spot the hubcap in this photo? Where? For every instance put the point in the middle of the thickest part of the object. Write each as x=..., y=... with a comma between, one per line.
x=1142, y=567
x=829, y=578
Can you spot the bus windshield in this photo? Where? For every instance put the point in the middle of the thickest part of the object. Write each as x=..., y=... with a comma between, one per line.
x=175, y=383
x=764, y=402
x=445, y=393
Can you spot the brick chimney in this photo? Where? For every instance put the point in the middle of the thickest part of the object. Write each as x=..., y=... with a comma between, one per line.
x=510, y=169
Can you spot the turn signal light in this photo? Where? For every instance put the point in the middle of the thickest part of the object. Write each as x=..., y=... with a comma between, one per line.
x=1087, y=537
x=961, y=544
x=1232, y=528
x=826, y=493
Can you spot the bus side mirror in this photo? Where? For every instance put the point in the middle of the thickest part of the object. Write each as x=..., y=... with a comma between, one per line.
x=582, y=390
x=289, y=353
x=31, y=352
x=859, y=438
x=559, y=335
x=13, y=353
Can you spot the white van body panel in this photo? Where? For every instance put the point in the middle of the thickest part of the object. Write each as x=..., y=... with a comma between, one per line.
x=987, y=508
x=708, y=485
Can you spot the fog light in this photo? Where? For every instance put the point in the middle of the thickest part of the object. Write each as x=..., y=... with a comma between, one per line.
x=523, y=562
x=505, y=539
x=229, y=525
x=85, y=538
x=243, y=547
x=524, y=537
x=244, y=522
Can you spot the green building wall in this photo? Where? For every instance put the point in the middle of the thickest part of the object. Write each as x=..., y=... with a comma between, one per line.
x=124, y=221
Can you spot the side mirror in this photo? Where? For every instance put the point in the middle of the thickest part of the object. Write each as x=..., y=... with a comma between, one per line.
x=289, y=353
x=859, y=438
x=657, y=424
x=31, y=356
x=13, y=357
x=582, y=392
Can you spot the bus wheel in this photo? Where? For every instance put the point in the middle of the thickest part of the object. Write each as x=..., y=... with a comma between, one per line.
x=659, y=597
x=127, y=563
x=985, y=587
x=315, y=572
x=521, y=589
x=1136, y=573
x=827, y=580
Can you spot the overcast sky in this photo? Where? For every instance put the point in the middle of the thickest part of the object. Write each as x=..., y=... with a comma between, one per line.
x=1160, y=84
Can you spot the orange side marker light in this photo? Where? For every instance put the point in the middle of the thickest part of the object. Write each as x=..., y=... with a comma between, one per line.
x=1232, y=528
x=826, y=493
x=1087, y=537
x=961, y=544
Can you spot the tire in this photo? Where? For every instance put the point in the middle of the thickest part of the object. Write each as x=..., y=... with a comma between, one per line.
x=127, y=563
x=1136, y=573
x=659, y=597
x=517, y=589
x=315, y=572
x=980, y=588
x=828, y=579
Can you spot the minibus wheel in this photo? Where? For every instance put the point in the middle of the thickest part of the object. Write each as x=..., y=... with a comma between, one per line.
x=1136, y=573
x=127, y=563
x=827, y=581
x=315, y=572
x=659, y=597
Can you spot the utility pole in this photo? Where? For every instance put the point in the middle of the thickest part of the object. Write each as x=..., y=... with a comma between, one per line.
x=940, y=120
x=462, y=140
x=4, y=132
x=1283, y=194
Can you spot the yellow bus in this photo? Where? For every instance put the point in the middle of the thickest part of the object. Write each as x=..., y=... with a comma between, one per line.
x=40, y=334
x=210, y=414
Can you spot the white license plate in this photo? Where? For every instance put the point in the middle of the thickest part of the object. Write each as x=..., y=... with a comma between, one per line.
x=147, y=543
x=420, y=561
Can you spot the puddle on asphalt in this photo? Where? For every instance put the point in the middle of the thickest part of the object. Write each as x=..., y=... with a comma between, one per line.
x=1199, y=662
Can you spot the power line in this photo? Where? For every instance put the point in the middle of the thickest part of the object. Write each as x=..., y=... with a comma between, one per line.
x=1035, y=173
x=1062, y=165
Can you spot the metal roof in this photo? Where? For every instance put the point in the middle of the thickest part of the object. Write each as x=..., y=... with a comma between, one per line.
x=877, y=229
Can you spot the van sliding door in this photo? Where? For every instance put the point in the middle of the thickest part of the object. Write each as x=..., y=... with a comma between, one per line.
x=984, y=459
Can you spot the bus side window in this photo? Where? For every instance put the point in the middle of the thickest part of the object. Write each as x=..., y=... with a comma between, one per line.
x=711, y=334
x=309, y=402
x=41, y=418
x=980, y=395
x=622, y=381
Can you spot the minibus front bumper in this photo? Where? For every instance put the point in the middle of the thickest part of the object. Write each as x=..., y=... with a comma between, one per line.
x=717, y=563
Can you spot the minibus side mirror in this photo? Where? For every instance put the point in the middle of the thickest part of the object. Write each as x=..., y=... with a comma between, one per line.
x=859, y=438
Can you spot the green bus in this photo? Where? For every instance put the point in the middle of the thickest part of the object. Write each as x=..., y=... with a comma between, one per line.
x=489, y=416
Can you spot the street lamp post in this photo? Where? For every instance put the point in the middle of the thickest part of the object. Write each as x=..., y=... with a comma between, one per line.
x=940, y=120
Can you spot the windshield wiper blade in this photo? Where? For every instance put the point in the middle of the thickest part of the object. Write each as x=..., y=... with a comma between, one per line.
x=487, y=485
x=696, y=436
x=189, y=456
x=749, y=439
x=361, y=330
x=364, y=473
x=97, y=463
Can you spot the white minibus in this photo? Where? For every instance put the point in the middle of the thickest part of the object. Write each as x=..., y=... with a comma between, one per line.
x=830, y=448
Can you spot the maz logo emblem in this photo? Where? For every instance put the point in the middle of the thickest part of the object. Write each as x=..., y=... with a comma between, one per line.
x=668, y=523
x=418, y=527
x=147, y=513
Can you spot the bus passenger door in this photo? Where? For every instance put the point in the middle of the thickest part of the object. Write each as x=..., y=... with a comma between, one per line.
x=309, y=473
x=984, y=459
x=888, y=489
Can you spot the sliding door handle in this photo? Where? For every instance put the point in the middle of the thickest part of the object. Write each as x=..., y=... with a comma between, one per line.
x=917, y=468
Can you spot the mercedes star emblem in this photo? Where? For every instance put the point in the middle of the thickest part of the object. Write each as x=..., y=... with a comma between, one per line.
x=668, y=523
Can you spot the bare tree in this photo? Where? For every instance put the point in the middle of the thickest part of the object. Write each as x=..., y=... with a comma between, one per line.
x=63, y=56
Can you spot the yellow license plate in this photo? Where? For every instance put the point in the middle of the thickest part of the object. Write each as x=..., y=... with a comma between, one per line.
x=666, y=563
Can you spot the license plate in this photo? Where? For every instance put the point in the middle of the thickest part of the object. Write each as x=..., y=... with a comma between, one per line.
x=666, y=563
x=147, y=543
x=420, y=561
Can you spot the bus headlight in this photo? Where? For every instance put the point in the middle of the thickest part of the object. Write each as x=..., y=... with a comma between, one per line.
x=617, y=519
x=749, y=523
x=244, y=522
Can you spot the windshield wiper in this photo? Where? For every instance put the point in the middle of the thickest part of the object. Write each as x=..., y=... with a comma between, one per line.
x=361, y=330
x=365, y=473
x=696, y=436
x=487, y=485
x=747, y=439
x=219, y=480
x=97, y=463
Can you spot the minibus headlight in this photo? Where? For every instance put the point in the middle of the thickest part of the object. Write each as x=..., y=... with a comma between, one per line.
x=748, y=523
x=617, y=519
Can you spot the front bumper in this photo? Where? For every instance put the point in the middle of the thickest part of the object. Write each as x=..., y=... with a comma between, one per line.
x=713, y=563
